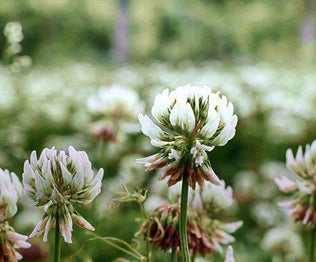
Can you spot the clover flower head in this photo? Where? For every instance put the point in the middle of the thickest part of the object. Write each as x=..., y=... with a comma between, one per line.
x=190, y=121
x=283, y=242
x=10, y=242
x=302, y=206
x=58, y=180
x=114, y=102
x=219, y=232
x=162, y=228
x=216, y=198
x=10, y=191
x=13, y=32
x=303, y=164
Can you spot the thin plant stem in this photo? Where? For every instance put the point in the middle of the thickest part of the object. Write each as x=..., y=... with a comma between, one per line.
x=183, y=220
x=312, y=245
x=143, y=211
x=174, y=255
x=57, y=240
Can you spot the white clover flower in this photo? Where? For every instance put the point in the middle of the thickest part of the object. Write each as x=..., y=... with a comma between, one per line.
x=10, y=242
x=302, y=206
x=10, y=191
x=216, y=198
x=57, y=181
x=115, y=102
x=13, y=32
x=191, y=121
x=211, y=200
x=283, y=242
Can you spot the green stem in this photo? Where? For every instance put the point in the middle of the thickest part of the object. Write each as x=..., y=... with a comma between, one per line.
x=312, y=245
x=183, y=220
x=142, y=208
x=57, y=240
x=174, y=255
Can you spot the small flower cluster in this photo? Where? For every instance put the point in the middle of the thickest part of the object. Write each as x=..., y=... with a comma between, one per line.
x=162, y=231
x=57, y=181
x=191, y=121
x=114, y=102
x=209, y=202
x=14, y=35
x=206, y=234
x=10, y=241
x=304, y=187
x=112, y=109
x=284, y=243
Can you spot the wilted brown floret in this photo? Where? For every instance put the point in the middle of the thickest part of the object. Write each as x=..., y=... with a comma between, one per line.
x=195, y=175
x=7, y=252
x=162, y=231
x=305, y=214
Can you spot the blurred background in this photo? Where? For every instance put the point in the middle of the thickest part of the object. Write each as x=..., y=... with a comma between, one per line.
x=79, y=72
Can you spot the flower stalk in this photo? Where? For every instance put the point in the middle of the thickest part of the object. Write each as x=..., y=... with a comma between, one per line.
x=174, y=255
x=183, y=221
x=57, y=240
x=312, y=245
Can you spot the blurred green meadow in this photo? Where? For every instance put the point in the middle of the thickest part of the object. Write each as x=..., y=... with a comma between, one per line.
x=258, y=53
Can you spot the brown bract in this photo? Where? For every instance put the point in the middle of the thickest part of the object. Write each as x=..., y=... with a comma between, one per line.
x=162, y=231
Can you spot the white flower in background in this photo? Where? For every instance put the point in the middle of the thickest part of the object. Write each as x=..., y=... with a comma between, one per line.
x=13, y=32
x=10, y=242
x=267, y=214
x=283, y=242
x=57, y=181
x=115, y=102
x=191, y=121
x=216, y=198
x=230, y=255
x=10, y=191
x=302, y=206
x=209, y=202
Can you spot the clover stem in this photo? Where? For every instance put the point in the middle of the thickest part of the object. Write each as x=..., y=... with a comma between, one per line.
x=174, y=255
x=312, y=245
x=57, y=239
x=183, y=220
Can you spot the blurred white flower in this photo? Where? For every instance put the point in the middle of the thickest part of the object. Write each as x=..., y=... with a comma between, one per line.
x=13, y=32
x=283, y=242
x=10, y=191
x=58, y=180
x=191, y=120
x=115, y=102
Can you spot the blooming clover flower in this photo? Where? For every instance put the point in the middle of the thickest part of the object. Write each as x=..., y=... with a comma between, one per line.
x=283, y=242
x=57, y=181
x=216, y=198
x=211, y=200
x=115, y=102
x=191, y=121
x=10, y=191
x=304, y=187
x=112, y=110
